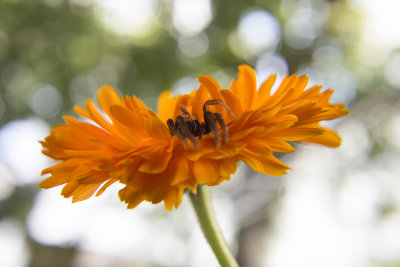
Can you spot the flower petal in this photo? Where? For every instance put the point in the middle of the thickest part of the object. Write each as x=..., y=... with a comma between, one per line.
x=54, y=180
x=173, y=198
x=233, y=102
x=155, y=165
x=84, y=191
x=205, y=171
x=106, y=185
x=227, y=167
x=158, y=130
x=125, y=116
x=180, y=169
x=279, y=145
x=297, y=133
x=95, y=115
x=264, y=93
x=247, y=86
x=166, y=106
x=212, y=86
x=132, y=198
x=107, y=97
x=327, y=138
x=266, y=165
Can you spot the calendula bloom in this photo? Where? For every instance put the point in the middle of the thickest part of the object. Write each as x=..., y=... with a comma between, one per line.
x=156, y=161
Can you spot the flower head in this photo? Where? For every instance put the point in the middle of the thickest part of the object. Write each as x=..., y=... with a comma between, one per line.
x=157, y=161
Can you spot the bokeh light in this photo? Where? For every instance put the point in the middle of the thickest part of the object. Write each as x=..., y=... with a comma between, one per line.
x=185, y=85
x=131, y=18
x=19, y=148
x=258, y=31
x=380, y=17
x=305, y=20
x=194, y=46
x=83, y=87
x=391, y=70
x=190, y=17
x=14, y=249
x=46, y=101
x=6, y=182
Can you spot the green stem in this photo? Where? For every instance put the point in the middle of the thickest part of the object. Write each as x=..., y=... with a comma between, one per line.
x=205, y=214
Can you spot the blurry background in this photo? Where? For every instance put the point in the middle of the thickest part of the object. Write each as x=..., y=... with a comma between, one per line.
x=338, y=207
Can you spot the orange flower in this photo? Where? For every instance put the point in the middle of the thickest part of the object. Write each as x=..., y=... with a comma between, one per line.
x=132, y=145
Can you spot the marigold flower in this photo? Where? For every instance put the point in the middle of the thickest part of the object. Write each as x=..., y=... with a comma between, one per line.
x=130, y=144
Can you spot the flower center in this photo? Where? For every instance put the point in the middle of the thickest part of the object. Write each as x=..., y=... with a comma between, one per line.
x=187, y=127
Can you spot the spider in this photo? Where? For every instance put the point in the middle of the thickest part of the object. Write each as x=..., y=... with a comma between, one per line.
x=186, y=127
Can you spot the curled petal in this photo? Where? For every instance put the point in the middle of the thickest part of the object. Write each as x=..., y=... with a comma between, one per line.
x=155, y=165
x=212, y=86
x=327, y=138
x=156, y=128
x=108, y=97
x=266, y=165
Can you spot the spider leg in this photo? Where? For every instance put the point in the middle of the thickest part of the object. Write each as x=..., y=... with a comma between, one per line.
x=211, y=123
x=171, y=127
x=221, y=122
x=175, y=129
x=202, y=130
x=185, y=114
x=184, y=131
x=217, y=102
